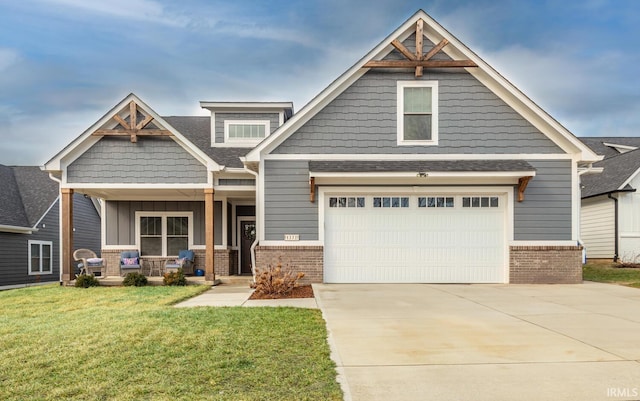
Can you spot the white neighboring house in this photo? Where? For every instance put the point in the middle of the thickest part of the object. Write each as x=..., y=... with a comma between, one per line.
x=610, y=212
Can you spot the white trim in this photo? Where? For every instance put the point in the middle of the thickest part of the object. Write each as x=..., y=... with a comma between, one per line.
x=630, y=235
x=14, y=286
x=260, y=202
x=576, y=193
x=164, y=215
x=134, y=186
x=234, y=188
x=17, y=229
x=119, y=247
x=292, y=243
x=625, y=147
x=447, y=174
x=228, y=141
x=246, y=107
x=35, y=226
x=399, y=156
x=239, y=220
x=401, y=86
x=40, y=243
x=223, y=205
x=280, y=118
x=628, y=180
x=543, y=243
x=213, y=128
x=103, y=224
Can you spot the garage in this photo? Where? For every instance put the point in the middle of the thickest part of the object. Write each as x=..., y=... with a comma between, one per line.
x=435, y=237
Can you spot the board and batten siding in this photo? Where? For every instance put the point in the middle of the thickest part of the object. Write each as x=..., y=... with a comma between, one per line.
x=120, y=219
x=363, y=119
x=274, y=121
x=629, y=217
x=286, y=199
x=597, y=227
x=148, y=161
x=545, y=214
x=86, y=223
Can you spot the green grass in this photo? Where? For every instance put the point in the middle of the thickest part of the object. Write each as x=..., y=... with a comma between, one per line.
x=609, y=273
x=129, y=343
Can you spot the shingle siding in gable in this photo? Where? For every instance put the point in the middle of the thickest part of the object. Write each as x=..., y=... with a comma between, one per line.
x=149, y=161
x=287, y=206
x=545, y=214
x=274, y=121
x=362, y=119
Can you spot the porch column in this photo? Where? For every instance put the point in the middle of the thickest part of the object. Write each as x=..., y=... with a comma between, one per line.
x=209, y=264
x=66, y=241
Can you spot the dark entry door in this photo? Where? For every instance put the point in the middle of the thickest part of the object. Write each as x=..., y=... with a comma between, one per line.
x=247, y=236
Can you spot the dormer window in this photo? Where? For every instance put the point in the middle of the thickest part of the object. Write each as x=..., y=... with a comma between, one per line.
x=246, y=131
x=417, y=112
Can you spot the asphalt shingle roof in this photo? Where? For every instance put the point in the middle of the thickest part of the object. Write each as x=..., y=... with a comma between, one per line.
x=617, y=170
x=597, y=144
x=27, y=193
x=355, y=166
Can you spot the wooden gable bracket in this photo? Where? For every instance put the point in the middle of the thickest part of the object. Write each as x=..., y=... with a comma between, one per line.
x=522, y=185
x=417, y=60
x=312, y=189
x=132, y=128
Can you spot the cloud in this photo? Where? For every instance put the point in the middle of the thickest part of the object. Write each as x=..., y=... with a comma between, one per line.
x=8, y=57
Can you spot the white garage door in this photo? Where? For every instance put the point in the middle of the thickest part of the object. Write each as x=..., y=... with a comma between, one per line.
x=431, y=238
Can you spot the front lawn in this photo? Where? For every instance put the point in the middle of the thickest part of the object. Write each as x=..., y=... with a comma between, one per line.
x=127, y=343
x=609, y=273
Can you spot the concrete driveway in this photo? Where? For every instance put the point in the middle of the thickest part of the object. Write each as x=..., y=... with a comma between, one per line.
x=484, y=342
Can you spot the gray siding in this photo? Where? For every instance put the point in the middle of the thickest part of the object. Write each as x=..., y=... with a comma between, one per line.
x=120, y=219
x=545, y=214
x=362, y=119
x=287, y=206
x=14, y=248
x=273, y=118
x=237, y=181
x=150, y=160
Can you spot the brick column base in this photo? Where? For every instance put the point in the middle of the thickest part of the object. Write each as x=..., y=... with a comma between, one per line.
x=545, y=264
x=306, y=259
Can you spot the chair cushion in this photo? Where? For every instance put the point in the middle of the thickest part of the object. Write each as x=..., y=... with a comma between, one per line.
x=187, y=254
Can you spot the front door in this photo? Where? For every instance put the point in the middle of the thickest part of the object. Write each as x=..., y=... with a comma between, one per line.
x=247, y=236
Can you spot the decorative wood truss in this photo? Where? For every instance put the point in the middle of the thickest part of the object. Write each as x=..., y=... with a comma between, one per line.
x=418, y=60
x=132, y=128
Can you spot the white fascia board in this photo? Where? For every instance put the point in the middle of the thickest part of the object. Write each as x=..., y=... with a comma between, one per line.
x=508, y=92
x=615, y=145
x=46, y=212
x=628, y=180
x=451, y=174
x=246, y=106
x=435, y=156
x=17, y=229
x=135, y=186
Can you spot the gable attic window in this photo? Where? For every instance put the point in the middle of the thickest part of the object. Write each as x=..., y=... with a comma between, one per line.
x=243, y=131
x=417, y=113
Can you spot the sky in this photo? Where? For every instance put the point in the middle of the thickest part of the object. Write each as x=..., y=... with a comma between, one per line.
x=65, y=63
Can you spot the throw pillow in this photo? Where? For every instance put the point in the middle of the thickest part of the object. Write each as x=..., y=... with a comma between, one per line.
x=129, y=261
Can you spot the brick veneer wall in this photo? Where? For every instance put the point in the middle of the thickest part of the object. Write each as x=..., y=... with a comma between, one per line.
x=225, y=260
x=545, y=264
x=306, y=259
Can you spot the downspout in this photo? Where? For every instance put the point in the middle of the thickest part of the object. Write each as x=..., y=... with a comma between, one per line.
x=255, y=242
x=615, y=226
x=59, y=181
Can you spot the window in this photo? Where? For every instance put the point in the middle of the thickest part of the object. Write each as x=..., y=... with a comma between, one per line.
x=40, y=257
x=246, y=131
x=417, y=112
x=164, y=233
x=346, y=201
x=391, y=201
x=480, y=201
x=436, y=201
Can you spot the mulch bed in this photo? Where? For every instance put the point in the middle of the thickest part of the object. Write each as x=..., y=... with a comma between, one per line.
x=303, y=291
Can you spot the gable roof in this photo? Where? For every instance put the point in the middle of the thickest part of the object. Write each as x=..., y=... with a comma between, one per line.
x=602, y=145
x=83, y=142
x=618, y=171
x=27, y=195
x=456, y=50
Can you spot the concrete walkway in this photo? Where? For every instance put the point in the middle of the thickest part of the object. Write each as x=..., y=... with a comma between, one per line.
x=238, y=295
x=484, y=342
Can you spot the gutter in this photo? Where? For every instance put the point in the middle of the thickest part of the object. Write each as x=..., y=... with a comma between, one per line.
x=615, y=225
x=255, y=242
x=17, y=229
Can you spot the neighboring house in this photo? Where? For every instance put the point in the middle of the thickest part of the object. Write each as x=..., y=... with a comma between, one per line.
x=30, y=227
x=610, y=213
x=419, y=164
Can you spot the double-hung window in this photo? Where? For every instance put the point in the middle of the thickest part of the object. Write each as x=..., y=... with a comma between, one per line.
x=417, y=112
x=40, y=257
x=164, y=233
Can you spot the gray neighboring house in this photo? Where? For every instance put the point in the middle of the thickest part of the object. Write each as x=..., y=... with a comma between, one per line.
x=419, y=164
x=30, y=227
x=610, y=212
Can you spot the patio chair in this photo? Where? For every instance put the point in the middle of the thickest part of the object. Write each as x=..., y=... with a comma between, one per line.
x=130, y=262
x=184, y=261
x=89, y=262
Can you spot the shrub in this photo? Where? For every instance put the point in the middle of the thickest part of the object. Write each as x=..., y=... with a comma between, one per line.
x=276, y=281
x=134, y=279
x=86, y=281
x=175, y=278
